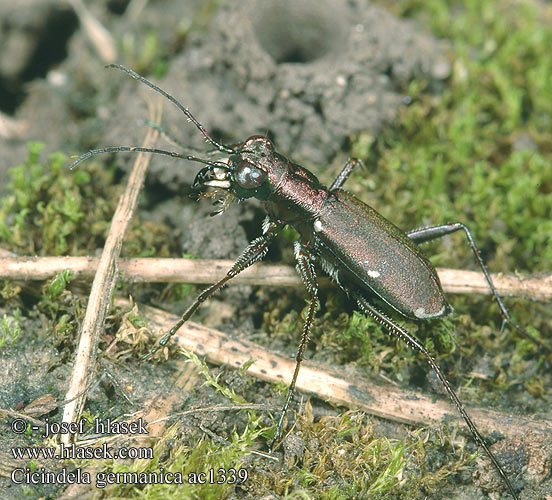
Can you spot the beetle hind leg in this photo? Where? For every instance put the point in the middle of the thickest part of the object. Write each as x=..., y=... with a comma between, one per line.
x=432, y=233
x=413, y=342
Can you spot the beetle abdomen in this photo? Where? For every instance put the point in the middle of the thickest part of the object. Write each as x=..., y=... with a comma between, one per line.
x=370, y=252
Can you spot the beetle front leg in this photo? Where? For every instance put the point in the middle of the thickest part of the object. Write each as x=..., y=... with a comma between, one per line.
x=432, y=233
x=305, y=268
x=253, y=253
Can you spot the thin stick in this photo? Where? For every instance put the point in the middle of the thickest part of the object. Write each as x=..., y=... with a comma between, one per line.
x=104, y=282
x=101, y=39
x=202, y=271
x=385, y=401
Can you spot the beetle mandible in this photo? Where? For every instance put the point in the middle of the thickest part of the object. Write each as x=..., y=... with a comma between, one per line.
x=363, y=252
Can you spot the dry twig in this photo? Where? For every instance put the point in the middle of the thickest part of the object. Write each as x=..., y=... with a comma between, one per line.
x=384, y=401
x=104, y=282
x=201, y=271
x=99, y=36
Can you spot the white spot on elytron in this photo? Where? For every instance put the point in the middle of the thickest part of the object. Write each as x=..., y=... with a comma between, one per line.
x=373, y=274
x=317, y=226
x=420, y=313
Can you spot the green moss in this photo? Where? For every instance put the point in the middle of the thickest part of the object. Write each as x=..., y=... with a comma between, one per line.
x=194, y=458
x=343, y=457
x=50, y=211
x=190, y=461
x=59, y=308
x=10, y=328
x=54, y=289
x=459, y=157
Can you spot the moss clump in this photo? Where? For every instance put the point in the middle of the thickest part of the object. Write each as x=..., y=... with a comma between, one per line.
x=51, y=211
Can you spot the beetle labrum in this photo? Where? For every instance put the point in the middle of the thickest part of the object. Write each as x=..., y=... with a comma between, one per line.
x=360, y=249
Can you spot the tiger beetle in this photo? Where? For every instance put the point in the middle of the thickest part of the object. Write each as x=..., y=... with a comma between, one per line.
x=363, y=252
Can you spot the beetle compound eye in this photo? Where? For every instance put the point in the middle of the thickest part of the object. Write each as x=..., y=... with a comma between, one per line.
x=248, y=176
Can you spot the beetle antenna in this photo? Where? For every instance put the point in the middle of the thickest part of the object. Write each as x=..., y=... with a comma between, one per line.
x=201, y=128
x=176, y=142
x=127, y=149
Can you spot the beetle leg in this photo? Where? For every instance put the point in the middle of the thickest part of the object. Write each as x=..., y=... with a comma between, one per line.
x=347, y=169
x=410, y=340
x=431, y=233
x=305, y=268
x=255, y=251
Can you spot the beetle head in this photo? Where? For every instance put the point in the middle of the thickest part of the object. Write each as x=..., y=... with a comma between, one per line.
x=245, y=174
